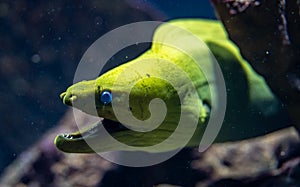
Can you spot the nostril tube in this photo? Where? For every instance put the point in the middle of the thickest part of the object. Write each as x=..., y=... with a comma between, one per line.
x=62, y=95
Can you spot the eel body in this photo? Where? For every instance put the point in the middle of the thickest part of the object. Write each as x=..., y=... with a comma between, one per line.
x=133, y=92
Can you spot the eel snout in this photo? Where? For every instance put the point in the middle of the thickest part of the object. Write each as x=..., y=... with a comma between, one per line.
x=68, y=98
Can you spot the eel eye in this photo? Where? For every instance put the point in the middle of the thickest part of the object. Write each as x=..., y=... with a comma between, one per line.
x=106, y=97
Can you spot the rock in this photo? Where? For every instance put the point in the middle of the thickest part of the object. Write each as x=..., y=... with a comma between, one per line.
x=252, y=161
x=271, y=160
x=267, y=34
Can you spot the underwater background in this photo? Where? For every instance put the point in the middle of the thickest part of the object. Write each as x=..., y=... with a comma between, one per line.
x=41, y=43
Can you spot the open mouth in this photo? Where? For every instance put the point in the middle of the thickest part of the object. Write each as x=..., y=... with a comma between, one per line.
x=109, y=125
x=76, y=141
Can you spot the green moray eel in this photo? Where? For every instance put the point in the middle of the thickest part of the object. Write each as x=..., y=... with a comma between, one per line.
x=252, y=109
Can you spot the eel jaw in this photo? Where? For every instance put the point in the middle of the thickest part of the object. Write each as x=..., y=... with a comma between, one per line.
x=76, y=142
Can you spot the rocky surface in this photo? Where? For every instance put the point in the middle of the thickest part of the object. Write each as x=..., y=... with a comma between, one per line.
x=267, y=34
x=271, y=160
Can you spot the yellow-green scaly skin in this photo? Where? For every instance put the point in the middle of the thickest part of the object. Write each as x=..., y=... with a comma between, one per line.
x=252, y=109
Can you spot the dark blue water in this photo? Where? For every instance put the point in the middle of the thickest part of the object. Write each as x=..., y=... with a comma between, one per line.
x=189, y=8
